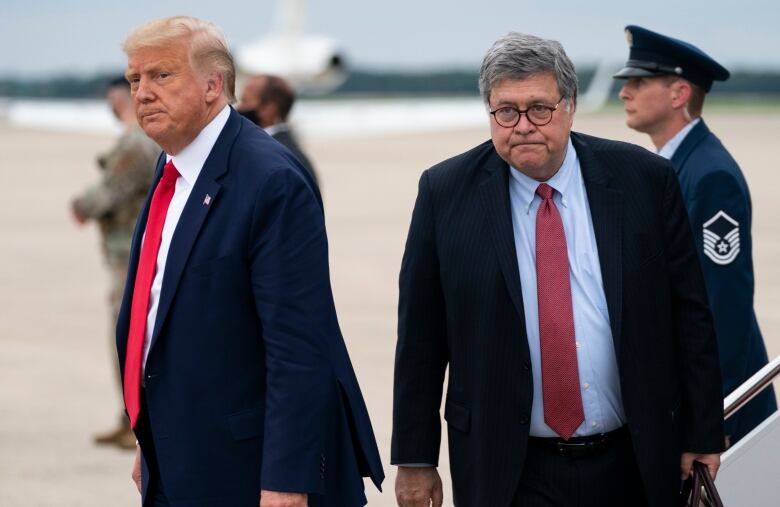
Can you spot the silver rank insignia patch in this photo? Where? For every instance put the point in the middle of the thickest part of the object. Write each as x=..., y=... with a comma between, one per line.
x=721, y=238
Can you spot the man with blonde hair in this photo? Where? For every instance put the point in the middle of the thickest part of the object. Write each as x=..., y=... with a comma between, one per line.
x=236, y=377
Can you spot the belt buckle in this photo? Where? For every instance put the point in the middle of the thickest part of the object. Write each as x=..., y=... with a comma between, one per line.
x=578, y=450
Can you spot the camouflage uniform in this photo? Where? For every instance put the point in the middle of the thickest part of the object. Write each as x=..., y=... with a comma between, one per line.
x=115, y=202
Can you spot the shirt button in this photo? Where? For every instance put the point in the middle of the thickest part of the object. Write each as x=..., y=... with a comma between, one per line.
x=579, y=345
x=585, y=385
x=594, y=424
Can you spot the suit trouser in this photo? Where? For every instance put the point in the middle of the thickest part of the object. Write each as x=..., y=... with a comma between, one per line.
x=155, y=494
x=606, y=478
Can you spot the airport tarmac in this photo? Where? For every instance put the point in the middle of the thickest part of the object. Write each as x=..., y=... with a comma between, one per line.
x=56, y=371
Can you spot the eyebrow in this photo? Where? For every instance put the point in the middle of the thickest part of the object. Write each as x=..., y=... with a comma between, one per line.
x=166, y=65
x=532, y=102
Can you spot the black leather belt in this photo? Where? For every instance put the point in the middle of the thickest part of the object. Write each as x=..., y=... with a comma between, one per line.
x=579, y=447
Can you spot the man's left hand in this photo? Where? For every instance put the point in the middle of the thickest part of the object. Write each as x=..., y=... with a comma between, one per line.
x=279, y=499
x=686, y=463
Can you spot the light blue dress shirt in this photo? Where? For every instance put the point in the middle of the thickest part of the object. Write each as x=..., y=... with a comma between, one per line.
x=598, y=370
x=667, y=150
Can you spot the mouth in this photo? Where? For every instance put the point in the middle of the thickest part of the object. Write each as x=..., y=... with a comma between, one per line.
x=148, y=115
x=526, y=144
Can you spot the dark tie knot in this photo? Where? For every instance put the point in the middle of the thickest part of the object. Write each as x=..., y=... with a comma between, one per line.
x=170, y=173
x=545, y=191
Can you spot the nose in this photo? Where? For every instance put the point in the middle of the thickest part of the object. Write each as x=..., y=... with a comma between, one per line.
x=624, y=95
x=143, y=91
x=524, y=126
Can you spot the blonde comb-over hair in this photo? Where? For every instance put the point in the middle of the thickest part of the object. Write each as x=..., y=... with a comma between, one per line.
x=208, y=50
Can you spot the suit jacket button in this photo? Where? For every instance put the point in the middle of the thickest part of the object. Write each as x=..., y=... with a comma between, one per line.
x=523, y=420
x=526, y=365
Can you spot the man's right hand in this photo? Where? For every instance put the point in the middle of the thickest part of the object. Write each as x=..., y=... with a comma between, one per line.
x=136, y=473
x=418, y=487
x=78, y=216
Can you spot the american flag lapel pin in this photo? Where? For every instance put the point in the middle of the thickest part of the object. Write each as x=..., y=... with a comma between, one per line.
x=207, y=200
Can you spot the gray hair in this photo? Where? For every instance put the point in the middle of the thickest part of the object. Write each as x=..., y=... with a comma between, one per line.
x=208, y=50
x=521, y=56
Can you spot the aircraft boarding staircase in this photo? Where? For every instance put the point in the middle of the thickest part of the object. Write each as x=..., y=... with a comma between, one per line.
x=749, y=474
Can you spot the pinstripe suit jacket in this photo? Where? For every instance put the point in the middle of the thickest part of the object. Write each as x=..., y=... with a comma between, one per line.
x=460, y=306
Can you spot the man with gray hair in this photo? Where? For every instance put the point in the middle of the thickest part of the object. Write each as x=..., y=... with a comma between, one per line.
x=555, y=274
x=236, y=378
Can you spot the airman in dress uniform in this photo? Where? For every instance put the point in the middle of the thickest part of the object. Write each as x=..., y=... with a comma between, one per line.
x=666, y=81
x=114, y=203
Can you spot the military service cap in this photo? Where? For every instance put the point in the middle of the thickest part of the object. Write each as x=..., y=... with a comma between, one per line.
x=653, y=54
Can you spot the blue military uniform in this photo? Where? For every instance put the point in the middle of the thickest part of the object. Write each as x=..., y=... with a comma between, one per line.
x=718, y=202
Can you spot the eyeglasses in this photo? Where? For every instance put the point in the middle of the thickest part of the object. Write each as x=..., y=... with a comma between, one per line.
x=538, y=114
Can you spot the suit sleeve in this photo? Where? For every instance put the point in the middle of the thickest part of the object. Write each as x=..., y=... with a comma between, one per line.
x=720, y=217
x=291, y=286
x=421, y=351
x=697, y=353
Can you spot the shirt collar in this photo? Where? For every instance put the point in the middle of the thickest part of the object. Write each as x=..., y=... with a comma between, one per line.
x=191, y=159
x=276, y=128
x=561, y=180
x=667, y=151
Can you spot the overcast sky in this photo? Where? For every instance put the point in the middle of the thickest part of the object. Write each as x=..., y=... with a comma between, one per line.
x=39, y=37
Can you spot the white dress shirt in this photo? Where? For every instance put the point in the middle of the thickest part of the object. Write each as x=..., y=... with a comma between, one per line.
x=189, y=163
x=667, y=150
x=596, y=361
x=276, y=128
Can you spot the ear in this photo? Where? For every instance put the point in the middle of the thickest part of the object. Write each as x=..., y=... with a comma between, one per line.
x=214, y=86
x=680, y=93
x=572, y=106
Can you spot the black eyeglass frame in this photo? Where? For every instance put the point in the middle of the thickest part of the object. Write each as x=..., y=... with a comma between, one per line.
x=521, y=112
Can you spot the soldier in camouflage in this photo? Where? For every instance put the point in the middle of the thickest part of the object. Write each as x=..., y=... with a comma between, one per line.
x=114, y=203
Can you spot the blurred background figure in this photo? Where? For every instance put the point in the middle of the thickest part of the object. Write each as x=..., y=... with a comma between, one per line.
x=267, y=100
x=114, y=202
x=666, y=82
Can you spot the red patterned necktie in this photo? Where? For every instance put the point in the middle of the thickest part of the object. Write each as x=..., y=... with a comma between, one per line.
x=143, y=285
x=560, y=377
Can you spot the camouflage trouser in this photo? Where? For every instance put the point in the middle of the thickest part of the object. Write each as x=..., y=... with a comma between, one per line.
x=117, y=265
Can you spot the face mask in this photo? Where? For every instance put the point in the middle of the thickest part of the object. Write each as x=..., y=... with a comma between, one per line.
x=251, y=115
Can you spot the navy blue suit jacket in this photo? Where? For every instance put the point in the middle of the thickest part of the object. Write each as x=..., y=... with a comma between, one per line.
x=718, y=203
x=248, y=384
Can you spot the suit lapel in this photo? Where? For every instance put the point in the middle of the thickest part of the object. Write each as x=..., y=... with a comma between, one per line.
x=494, y=191
x=606, y=210
x=694, y=137
x=193, y=217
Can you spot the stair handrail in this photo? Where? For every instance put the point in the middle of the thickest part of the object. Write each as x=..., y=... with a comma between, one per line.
x=751, y=387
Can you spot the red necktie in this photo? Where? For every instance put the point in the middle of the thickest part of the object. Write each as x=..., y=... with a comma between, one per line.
x=560, y=378
x=143, y=285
